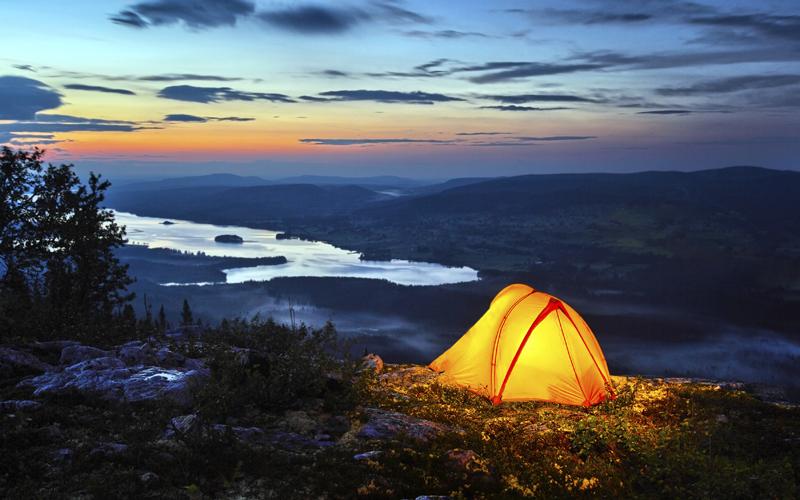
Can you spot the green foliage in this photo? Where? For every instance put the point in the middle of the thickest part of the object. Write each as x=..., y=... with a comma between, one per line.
x=260, y=365
x=59, y=275
x=656, y=440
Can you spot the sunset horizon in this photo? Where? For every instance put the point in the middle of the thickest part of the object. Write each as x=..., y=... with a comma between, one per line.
x=404, y=88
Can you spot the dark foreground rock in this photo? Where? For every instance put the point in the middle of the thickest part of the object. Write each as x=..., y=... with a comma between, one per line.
x=382, y=424
x=133, y=372
x=15, y=362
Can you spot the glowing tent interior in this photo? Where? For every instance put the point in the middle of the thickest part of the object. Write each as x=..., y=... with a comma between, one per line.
x=529, y=345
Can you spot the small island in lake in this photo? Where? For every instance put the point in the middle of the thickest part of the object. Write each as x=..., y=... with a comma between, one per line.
x=168, y=223
x=229, y=238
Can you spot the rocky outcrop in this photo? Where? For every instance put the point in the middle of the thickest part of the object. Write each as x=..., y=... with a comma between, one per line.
x=14, y=362
x=76, y=353
x=382, y=424
x=15, y=405
x=133, y=372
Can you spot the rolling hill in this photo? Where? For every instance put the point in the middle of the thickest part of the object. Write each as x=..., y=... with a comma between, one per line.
x=244, y=205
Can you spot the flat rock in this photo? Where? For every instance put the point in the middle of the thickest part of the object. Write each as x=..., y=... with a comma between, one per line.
x=15, y=405
x=382, y=424
x=182, y=424
x=368, y=455
x=136, y=353
x=76, y=353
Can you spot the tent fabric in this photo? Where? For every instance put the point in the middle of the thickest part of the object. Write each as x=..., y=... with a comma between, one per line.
x=529, y=345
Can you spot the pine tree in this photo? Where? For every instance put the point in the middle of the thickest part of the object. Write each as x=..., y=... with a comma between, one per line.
x=186, y=314
x=162, y=319
x=57, y=250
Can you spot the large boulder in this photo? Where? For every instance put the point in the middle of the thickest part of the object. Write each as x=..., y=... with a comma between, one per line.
x=110, y=378
x=382, y=424
x=76, y=353
x=14, y=362
x=136, y=353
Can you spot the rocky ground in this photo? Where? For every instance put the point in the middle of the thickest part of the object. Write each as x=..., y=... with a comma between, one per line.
x=154, y=419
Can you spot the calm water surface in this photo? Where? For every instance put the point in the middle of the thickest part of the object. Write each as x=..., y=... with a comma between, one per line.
x=305, y=258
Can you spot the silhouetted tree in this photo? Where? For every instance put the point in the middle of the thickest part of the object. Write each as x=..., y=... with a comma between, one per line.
x=162, y=319
x=58, y=271
x=186, y=314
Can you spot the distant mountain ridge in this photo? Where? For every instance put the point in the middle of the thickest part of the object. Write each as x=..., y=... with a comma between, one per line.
x=244, y=205
x=759, y=195
x=763, y=194
x=233, y=180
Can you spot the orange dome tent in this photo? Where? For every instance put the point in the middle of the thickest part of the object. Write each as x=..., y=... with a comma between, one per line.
x=529, y=346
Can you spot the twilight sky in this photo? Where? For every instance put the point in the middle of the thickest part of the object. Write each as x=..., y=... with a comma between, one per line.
x=414, y=88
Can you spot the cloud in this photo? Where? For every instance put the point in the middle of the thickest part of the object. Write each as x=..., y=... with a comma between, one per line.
x=665, y=60
x=24, y=67
x=526, y=98
x=621, y=13
x=185, y=118
x=97, y=88
x=387, y=96
x=203, y=119
x=586, y=16
x=444, y=34
x=164, y=77
x=607, y=61
x=513, y=107
x=35, y=141
x=555, y=138
x=502, y=144
x=356, y=142
x=482, y=133
x=21, y=139
x=207, y=95
x=48, y=124
x=21, y=98
x=55, y=118
x=304, y=18
x=314, y=19
x=311, y=98
x=196, y=14
x=773, y=26
x=433, y=68
x=334, y=73
x=733, y=84
x=665, y=112
x=533, y=140
x=502, y=71
x=176, y=77
x=391, y=11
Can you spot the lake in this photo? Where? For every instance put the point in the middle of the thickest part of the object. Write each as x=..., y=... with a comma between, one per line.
x=305, y=258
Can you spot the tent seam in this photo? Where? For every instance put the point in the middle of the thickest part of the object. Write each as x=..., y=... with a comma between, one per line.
x=608, y=382
x=551, y=306
x=569, y=355
x=497, y=339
